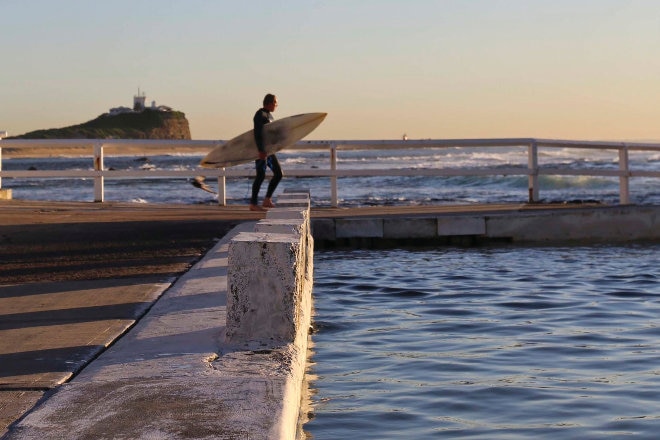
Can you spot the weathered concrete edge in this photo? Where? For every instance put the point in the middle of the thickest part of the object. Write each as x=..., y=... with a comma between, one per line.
x=596, y=224
x=292, y=392
x=281, y=249
x=158, y=361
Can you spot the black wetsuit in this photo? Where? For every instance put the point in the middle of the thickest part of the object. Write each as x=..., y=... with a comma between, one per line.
x=261, y=118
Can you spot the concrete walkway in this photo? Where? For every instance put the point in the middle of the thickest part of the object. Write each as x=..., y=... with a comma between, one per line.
x=49, y=331
x=75, y=276
x=165, y=379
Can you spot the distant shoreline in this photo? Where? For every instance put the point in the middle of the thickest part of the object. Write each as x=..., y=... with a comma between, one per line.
x=35, y=152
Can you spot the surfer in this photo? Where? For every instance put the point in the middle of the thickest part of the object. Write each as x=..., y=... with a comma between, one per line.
x=262, y=117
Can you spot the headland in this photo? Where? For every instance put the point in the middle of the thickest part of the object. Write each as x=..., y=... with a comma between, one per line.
x=138, y=122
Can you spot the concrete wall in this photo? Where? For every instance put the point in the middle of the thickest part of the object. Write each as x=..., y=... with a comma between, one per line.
x=610, y=224
x=269, y=302
x=607, y=224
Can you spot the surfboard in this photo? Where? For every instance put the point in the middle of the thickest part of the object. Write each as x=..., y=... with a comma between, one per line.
x=279, y=134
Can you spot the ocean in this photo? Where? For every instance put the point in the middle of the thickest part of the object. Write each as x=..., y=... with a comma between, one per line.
x=357, y=191
x=488, y=342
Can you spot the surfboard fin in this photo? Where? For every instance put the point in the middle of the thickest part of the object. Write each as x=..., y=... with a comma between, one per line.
x=198, y=182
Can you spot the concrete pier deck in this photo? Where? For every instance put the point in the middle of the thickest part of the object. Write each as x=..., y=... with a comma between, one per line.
x=76, y=278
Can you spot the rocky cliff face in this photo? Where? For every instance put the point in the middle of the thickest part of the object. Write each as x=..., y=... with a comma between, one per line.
x=148, y=124
x=169, y=128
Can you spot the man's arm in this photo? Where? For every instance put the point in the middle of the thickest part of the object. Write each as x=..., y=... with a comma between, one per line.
x=260, y=119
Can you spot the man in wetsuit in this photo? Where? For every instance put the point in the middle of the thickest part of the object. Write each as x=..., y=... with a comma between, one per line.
x=262, y=117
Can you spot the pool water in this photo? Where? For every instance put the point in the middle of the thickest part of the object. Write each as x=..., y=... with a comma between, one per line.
x=503, y=342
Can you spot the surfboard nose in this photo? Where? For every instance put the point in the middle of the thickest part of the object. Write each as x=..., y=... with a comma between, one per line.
x=310, y=116
x=320, y=116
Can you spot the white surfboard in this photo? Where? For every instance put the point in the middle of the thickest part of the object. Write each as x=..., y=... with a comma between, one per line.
x=278, y=134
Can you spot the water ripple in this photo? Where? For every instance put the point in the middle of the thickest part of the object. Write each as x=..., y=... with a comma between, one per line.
x=553, y=342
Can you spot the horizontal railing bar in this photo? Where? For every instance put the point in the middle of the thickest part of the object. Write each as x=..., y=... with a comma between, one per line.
x=598, y=144
x=410, y=172
x=51, y=173
x=644, y=173
x=148, y=143
x=581, y=172
x=413, y=172
x=424, y=143
x=340, y=144
x=109, y=174
x=500, y=142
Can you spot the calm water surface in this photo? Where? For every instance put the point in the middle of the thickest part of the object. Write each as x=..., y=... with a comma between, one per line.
x=550, y=342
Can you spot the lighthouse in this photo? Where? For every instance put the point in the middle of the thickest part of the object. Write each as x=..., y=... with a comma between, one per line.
x=138, y=101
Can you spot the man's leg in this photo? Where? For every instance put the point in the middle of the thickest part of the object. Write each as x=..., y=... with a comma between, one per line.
x=260, y=166
x=274, y=165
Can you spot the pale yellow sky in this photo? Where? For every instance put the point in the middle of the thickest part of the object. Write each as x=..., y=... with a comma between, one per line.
x=574, y=69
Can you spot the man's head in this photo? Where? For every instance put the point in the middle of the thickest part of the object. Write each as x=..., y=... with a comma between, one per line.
x=270, y=102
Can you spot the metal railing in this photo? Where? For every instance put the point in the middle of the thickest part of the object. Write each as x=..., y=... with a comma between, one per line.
x=532, y=171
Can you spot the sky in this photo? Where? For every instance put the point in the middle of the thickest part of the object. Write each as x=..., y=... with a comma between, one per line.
x=440, y=69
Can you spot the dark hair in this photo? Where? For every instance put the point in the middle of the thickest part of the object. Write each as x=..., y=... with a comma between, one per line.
x=269, y=99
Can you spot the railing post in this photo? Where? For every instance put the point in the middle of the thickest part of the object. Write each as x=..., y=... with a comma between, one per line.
x=222, y=189
x=624, y=177
x=334, y=199
x=5, y=194
x=99, y=179
x=533, y=167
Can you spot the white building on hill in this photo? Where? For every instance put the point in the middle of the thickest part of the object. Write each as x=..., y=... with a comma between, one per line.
x=139, y=106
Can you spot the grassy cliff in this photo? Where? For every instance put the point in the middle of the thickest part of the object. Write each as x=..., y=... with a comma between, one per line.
x=148, y=124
